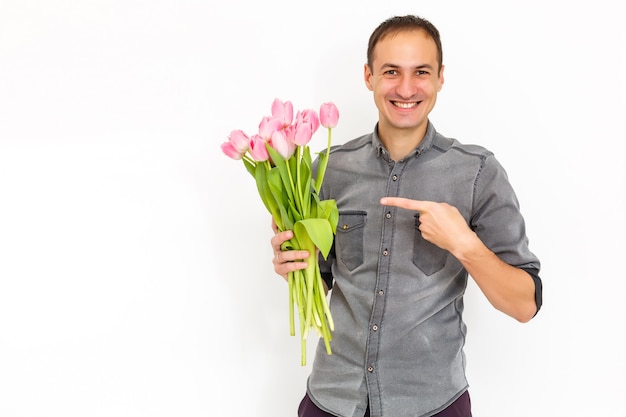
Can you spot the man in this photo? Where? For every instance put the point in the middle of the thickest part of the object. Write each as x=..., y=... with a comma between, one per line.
x=418, y=212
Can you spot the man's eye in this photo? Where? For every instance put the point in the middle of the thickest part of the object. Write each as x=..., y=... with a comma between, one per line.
x=391, y=72
x=422, y=72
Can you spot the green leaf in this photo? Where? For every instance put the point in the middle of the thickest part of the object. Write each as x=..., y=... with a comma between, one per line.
x=296, y=215
x=276, y=186
x=279, y=195
x=323, y=162
x=293, y=161
x=328, y=210
x=249, y=166
x=282, y=167
x=261, y=183
x=261, y=177
x=319, y=231
x=305, y=181
x=321, y=169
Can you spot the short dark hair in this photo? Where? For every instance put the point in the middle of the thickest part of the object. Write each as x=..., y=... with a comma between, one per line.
x=404, y=23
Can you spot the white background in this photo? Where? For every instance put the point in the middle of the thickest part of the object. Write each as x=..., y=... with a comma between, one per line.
x=135, y=273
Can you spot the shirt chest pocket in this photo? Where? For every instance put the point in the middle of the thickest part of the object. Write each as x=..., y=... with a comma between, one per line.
x=349, y=243
x=428, y=257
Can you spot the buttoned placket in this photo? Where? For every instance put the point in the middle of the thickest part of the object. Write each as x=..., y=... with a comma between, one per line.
x=376, y=324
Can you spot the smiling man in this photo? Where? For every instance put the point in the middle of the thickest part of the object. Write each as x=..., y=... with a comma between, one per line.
x=418, y=214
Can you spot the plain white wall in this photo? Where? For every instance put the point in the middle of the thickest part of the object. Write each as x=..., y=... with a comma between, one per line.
x=135, y=273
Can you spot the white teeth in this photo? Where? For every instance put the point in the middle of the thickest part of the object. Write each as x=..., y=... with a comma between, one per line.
x=404, y=105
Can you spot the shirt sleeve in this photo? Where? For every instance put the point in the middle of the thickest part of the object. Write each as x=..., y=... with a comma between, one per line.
x=498, y=221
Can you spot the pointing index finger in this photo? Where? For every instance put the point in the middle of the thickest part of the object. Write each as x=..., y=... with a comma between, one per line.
x=405, y=203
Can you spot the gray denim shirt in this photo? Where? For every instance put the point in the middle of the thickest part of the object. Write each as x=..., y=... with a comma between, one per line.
x=397, y=299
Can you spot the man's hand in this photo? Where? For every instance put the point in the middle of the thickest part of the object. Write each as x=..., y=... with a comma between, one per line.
x=286, y=261
x=440, y=223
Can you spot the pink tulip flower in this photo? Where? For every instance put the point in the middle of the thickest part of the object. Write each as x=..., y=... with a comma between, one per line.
x=290, y=132
x=303, y=134
x=329, y=115
x=306, y=125
x=283, y=146
x=257, y=150
x=239, y=140
x=268, y=126
x=230, y=151
x=283, y=111
x=310, y=116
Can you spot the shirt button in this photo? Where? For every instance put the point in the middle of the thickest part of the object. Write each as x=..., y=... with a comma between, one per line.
x=385, y=252
x=370, y=369
x=395, y=178
x=388, y=215
x=375, y=327
x=381, y=292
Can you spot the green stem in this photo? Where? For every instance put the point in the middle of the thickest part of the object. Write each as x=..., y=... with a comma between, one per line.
x=301, y=315
x=297, y=197
x=310, y=283
x=324, y=324
x=324, y=301
x=298, y=180
x=249, y=159
x=322, y=165
x=298, y=279
x=292, y=330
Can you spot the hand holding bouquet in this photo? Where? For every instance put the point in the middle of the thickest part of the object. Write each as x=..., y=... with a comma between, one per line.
x=279, y=159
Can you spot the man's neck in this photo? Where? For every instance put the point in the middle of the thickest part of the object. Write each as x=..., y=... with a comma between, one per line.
x=400, y=142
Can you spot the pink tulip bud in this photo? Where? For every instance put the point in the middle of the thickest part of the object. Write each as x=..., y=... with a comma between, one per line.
x=290, y=132
x=309, y=116
x=230, y=151
x=306, y=125
x=329, y=115
x=303, y=134
x=239, y=140
x=283, y=111
x=283, y=146
x=258, y=151
x=268, y=126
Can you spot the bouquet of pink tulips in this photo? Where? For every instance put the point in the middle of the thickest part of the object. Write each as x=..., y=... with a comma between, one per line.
x=279, y=159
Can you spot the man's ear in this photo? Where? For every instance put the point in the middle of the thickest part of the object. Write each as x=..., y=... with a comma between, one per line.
x=367, y=76
x=441, y=79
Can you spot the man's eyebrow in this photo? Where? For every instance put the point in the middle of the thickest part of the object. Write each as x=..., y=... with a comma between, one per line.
x=389, y=65
x=395, y=66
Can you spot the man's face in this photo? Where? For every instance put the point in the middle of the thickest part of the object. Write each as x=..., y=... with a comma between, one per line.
x=405, y=80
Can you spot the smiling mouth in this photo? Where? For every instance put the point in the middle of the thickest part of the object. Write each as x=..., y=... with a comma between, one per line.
x=404, y=105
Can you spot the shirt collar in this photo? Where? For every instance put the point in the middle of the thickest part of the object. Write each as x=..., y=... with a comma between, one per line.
x=424, y=145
